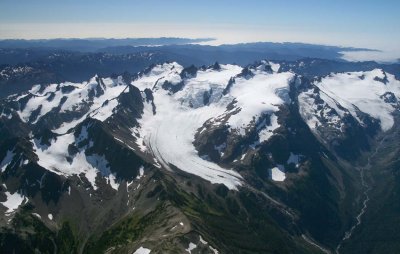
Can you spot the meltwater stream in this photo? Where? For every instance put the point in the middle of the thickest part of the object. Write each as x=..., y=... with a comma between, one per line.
x=367, y=188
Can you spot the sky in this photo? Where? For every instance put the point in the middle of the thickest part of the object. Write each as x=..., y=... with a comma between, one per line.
x=358, y=23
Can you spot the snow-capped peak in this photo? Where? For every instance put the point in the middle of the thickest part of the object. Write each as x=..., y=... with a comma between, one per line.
x=374, y=93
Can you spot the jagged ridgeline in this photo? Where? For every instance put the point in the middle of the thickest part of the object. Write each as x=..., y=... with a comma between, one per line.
x=220, y=159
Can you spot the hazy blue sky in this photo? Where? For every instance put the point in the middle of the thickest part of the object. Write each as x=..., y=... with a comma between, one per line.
x=361, y=23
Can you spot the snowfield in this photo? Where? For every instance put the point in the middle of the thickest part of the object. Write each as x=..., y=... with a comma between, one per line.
x=101, y=99
x=205, y=81
x=261, y=94
x=56, y=158
x=169, y=133
x=374, y=93
x=97, y=98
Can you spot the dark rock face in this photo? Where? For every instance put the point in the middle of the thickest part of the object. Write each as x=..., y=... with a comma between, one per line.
x=216, y=66
x=389, y=97
x=383, y=80
x=173, y=88
x=246, y=73
x=228, y=86
x=189, y=72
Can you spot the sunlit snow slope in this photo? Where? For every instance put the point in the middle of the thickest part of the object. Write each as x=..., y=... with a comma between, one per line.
x=374, y=93
x=72, y=103
x=169, y=132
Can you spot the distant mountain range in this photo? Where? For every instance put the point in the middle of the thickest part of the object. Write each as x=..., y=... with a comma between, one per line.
x=93, y=44
x=47, y=61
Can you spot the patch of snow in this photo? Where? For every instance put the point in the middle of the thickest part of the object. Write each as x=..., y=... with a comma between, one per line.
x=278, y=173
x=13, y=201
x=136, y=132
x=213, y=249
x=37, y=215
x=50, y=216
x=202, y=240
x=112, y=180
x=266, y=133
x=142, y=250
x=64, y=127
x=206, y=243
x=119, y=140
x=105, y=111
x=307, y=110
x=275, y=66
x=7, y=160
x=141, y=172
x=35, y=89
x=191, y=247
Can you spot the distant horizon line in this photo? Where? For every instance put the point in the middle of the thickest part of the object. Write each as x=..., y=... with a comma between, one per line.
x=107, y=38
x=191, y=41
